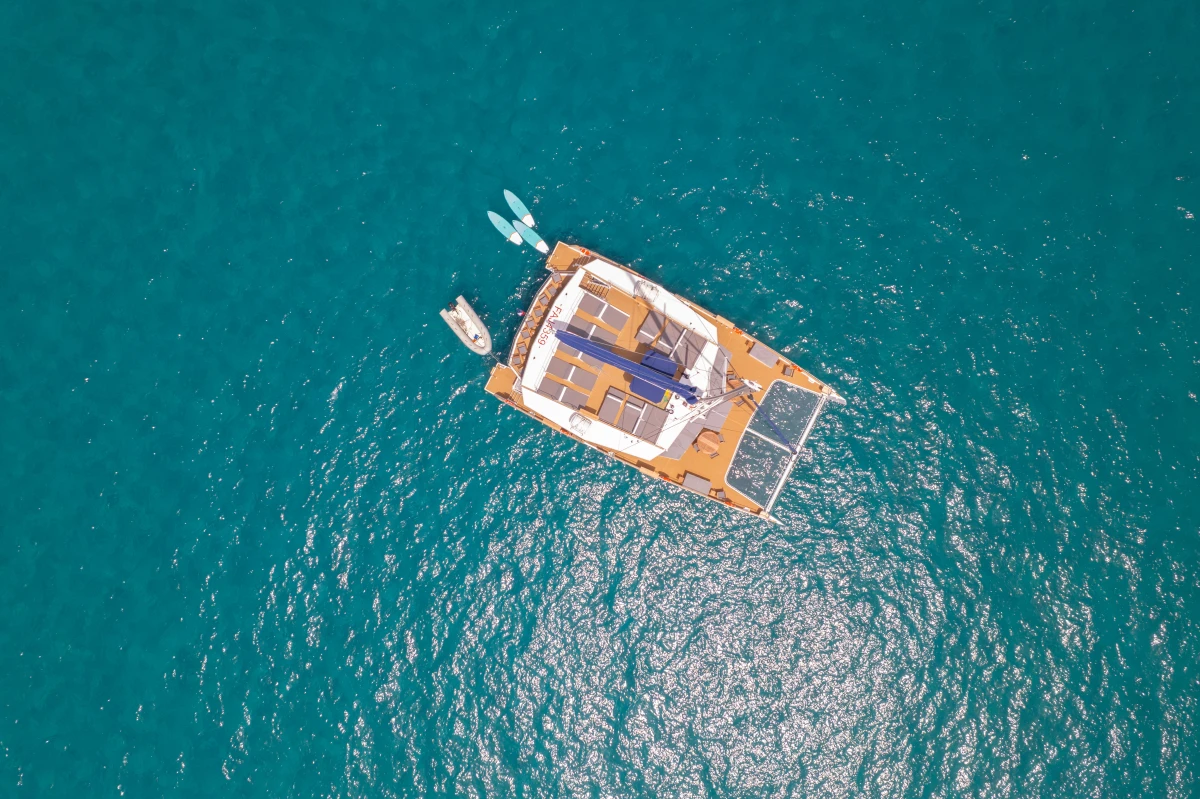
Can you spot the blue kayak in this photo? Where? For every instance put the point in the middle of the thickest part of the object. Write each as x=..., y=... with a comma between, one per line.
x=519, y=208
x=505, y=229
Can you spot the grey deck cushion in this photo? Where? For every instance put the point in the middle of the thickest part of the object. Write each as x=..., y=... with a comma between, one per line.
x=576, y=399
x=560, y=393
x=576, y=375
x=590, y=360
x=631, y=414
x=653, y=419
x=560, y=368
x=614, y=317
x=697, y=483
x=610, y=406
x=650, y=327
x=688, y=350
x=686, y=437
x=763, y=353
x=583, y=378
x=672, y=330
x=639, y=418
x=715, y=419
x=716, y=378
x=582, y=327
x=592, y=305
x=551, y=389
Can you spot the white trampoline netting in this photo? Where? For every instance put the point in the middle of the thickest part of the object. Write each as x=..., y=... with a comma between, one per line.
x=772, y=442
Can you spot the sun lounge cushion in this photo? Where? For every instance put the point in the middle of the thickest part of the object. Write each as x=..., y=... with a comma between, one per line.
x=551, y=389
x=614, y=318
x=610, y=406
x=670, y=336
x=650, y=327
x=573, y=398
x=560, y=393
x=582, y=327
x=687, y=352
x=592, y=305
x=651, y=424
x=763, y=353
x=590, y=360
x=697, y=483
x=716, y=378
x=560, y=368
x=631, y=414
x=595, y=307
x=583, y=378
x=576, y=375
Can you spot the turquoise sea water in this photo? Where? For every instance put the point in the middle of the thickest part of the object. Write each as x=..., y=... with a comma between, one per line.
x=265, y=535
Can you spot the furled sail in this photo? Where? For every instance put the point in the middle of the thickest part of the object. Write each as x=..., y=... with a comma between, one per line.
x=633, y=368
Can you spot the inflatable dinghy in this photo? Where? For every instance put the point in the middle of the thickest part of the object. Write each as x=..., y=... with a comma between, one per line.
x=465, y=323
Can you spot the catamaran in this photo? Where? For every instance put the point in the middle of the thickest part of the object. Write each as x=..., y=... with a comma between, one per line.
x=612, y=359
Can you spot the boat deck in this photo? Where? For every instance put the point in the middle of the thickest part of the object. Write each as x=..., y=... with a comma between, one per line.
x=621, y=315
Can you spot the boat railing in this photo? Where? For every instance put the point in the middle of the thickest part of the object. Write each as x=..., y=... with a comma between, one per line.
x=533, y=319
